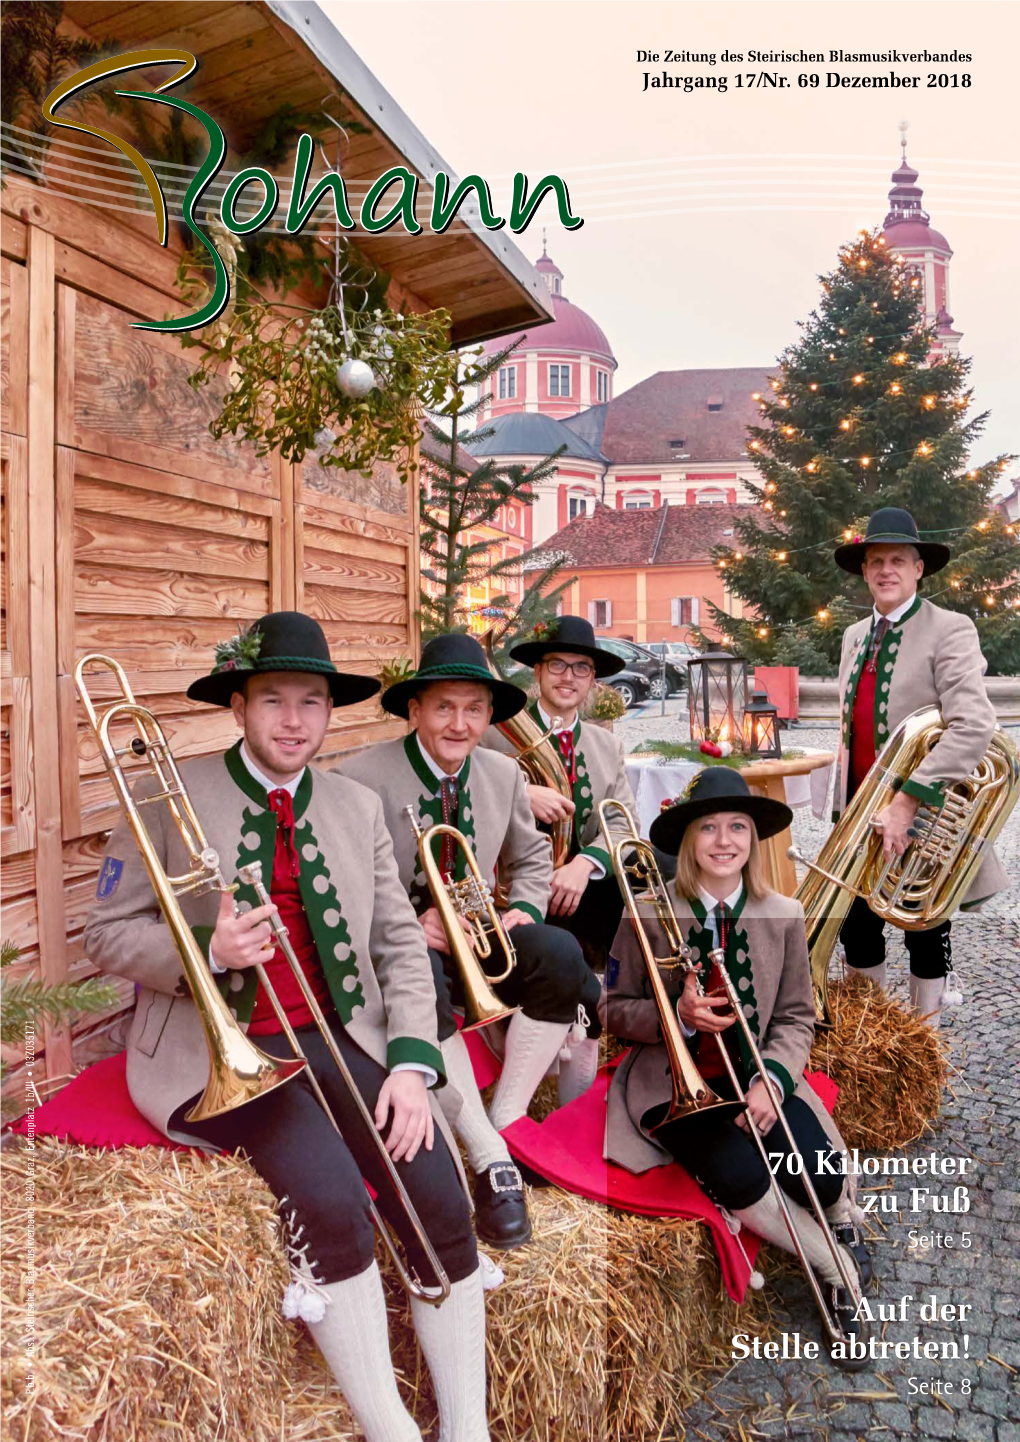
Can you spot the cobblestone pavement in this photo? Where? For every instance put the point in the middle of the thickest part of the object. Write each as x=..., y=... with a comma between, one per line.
x=981, y=1122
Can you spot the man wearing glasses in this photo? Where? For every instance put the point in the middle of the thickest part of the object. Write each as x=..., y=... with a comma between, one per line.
x=584, y=896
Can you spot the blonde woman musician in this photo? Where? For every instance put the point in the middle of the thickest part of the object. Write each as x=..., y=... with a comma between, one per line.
x=722, y=900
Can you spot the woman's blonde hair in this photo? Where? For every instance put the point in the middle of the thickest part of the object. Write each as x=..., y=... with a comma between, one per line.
x=687, y=883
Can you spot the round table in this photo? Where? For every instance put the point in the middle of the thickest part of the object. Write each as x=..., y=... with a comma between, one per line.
x=799, y=781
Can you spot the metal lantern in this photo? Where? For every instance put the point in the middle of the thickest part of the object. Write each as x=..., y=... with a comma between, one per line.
x=761, y=728
x=716, y=690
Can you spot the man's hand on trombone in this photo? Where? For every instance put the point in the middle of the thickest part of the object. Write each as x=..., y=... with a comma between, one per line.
x=406, y=1094
x=241, y=941
x=761, y=1107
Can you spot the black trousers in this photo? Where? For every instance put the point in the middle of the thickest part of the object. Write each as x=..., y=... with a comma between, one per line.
x=862, y=935
x=596, y=920
x=291, y=1143
x=548, y=983
x=726, y=1163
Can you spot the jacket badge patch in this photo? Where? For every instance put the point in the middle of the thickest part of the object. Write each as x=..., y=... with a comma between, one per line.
x=108, y=878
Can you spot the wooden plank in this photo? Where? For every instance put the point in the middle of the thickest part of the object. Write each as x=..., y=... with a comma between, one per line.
x=65, y=559
x=22, y=769
x=333, y=568
x=282, y=543
x=347, y=543
x=341, y=517
x=42, y=384
x=141, y=25
x=14, y=324
x=89, y=230
x=69, y=710
x=142, y=593
x=132, y=400
x=382, y=492
x=14, y=235
x=66, y=310
x=218, y=505
x=108, y=540
x=16, y=552
x=211, y=729
x=160, y=645
x=375, y=607
x=97, y=278
x=414, y=576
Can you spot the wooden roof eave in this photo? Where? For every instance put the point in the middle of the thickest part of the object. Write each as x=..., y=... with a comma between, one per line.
x=507, y=292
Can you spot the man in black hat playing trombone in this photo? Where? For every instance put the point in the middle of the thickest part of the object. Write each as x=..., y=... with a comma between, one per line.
x=907, y=654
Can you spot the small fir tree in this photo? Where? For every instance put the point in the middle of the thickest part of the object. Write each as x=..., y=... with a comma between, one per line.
x=856, y=419
x=456, y=499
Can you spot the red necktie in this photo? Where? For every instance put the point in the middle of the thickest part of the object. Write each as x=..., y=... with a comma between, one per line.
x=449, y=794
x=281, y=802
x=566, y=741
x=877, y=637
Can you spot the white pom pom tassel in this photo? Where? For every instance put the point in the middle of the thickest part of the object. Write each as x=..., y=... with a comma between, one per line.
x=301, y=1301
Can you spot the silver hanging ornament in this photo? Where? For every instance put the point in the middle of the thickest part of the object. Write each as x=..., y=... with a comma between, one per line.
x=354, y=379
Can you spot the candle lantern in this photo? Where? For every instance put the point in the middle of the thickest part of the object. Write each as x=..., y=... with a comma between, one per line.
x=716, y=692
x=761, y=728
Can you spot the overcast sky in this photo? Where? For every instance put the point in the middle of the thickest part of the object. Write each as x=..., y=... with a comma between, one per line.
x=709, y=215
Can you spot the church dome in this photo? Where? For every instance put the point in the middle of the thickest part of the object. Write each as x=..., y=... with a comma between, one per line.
x=572, y=330
x=908, y=225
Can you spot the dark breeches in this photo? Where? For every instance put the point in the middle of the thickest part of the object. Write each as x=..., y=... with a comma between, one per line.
x=726, y=1163
x=862, y=935
x=548, y=983
x=293, y=1146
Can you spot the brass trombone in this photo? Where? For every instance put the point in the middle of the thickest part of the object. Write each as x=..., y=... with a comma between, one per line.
x=238, y=1070
x=634, y=858
x=634, y=862
x=471, y=899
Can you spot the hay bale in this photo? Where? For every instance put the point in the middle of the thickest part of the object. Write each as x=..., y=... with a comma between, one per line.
x=157, y=1303
x=890, y=1067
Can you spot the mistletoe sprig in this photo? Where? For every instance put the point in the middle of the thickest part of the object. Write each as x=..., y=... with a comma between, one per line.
x=283, y=361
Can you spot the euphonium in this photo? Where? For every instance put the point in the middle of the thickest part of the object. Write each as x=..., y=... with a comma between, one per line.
x=539, y=759
x=634, y=861
x=925, y=885
x=472, y=900
x=238, y=1070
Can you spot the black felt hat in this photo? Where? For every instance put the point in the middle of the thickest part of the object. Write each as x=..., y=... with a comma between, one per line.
x=281, y=641
x=717, y=788
x=454, y=658
x=567, y=633
x=891, y=526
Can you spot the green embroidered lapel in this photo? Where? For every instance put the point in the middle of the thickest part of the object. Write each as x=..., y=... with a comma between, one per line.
x=739, y=967
x=430, y=810
x=318, y=895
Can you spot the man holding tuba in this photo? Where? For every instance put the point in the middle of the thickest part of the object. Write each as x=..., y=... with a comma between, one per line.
x=323, y=841
x=907, y=654
x=584, y=897
x=440, y=771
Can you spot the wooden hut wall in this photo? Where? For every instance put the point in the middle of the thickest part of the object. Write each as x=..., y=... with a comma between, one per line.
x=127, y=529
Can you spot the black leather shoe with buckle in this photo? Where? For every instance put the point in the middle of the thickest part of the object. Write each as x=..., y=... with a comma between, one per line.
x=849, y=1236
x=501, y=1213
x=842, y=1309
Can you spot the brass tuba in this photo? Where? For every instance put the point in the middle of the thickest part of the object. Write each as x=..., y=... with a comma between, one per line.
x=539, y=759
x=471, y=899
x=925, y=885
x=634, y=862
x=238, y=1070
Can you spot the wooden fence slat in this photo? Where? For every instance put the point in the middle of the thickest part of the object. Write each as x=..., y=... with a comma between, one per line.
x=112, y=541
x=221, y=503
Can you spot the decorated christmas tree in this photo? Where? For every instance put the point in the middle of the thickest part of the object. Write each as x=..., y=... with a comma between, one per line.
x=856, y=418
x=459, y=496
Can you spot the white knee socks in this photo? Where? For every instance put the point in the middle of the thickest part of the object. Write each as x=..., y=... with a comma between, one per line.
x=531, y=1048
x=926, y=998
x=765, y=1218
x=452, y=1338
x=353, y=1337
x=877, y=974
x=483, y=1142
x=578, y=1072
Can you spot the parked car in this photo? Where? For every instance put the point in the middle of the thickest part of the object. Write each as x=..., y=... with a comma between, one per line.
x=642, y=677
x=678, y=652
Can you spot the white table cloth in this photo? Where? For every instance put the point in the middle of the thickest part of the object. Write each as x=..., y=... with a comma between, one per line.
x=653, y=781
